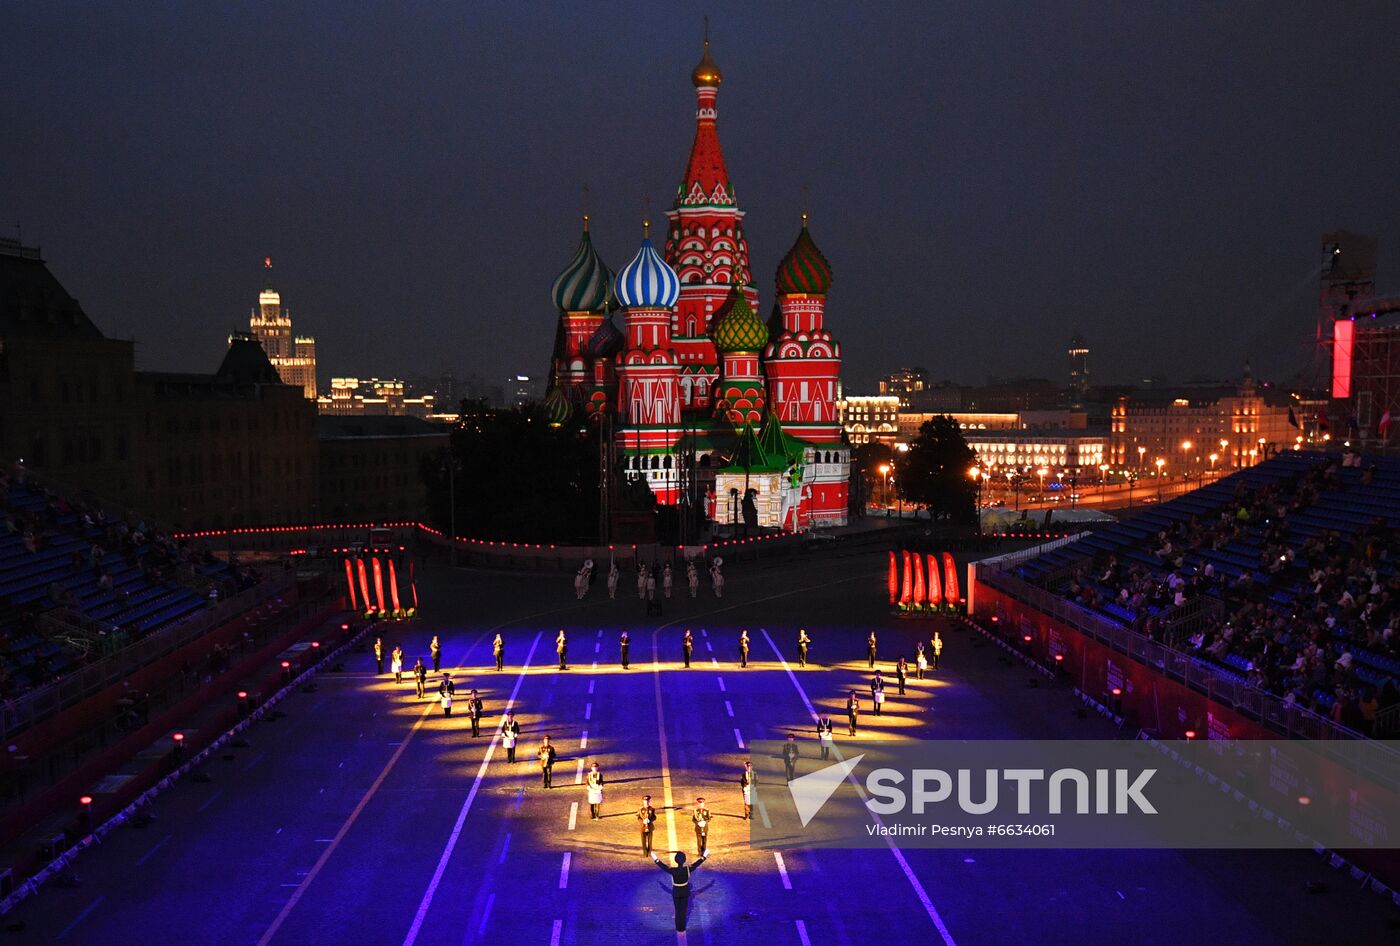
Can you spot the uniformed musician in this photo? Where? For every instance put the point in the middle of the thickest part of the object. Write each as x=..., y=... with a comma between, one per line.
x=746, y=787
x=744, y=648
x=701, y=817
x=498, y=650
x=803, y=642
x=825, y=739
x=625, y=642
x=435, y=651
x=688, y=645
x=646, y=821
x=379, y=655
x=420, y=678
x=510, y=735
x=877, y=693
x=593, y=782
x=474, y=709
x=870, y=650
x=547, y=755
x=561, y=646
x=852, y=712
x=680, y=884
x=937, y=649
x=790, y=757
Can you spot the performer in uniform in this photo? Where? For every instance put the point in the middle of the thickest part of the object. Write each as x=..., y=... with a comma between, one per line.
x=613, y=576
x=594, y=783
x=561, y=646
x=701, y=817
x=435, y=651
x=666, y=580
x=396, y=663
x=446, y=691
x=379, y=655
x=547, y=755
x=901, y=673
x=744, y=648
x=420, y=678
x=824, y=736
x=498, y=650
x=510, y=734
x=790, y=754
x=717, y=577
x=641, y=581
x=870, y=650
x=937, y=649
x=920, y=661
x=680, y=884
x=646, y=821
x=692, y=577
x=877, y=693
x=852, y=712
x=803, y=642
x=652, y=603
x=474, y=708
x=688, y=645
x=625, y=643
x=746, y=787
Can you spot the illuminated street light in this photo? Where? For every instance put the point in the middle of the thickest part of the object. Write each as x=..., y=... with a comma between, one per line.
x=1159, y=462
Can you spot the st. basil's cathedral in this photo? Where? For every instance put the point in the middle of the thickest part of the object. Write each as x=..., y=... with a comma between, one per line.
x=695, y=379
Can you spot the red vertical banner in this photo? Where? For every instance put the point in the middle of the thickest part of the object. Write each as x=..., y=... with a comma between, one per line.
x=918, y=561
x=906, y=587
x=413, y=583
x=364, y=585
x=378, y=581
x=935, y=587
x=350, y=585
x=393, y=586
x=893, y=581
x=950, y=579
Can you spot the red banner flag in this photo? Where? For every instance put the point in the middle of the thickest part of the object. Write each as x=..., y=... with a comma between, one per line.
x=350, y=584
x=935, y=587
x=364, y=584
x=918, y=561
x=378, y=582
x=906, y=588
x=393, y=585
x=893, y=580
x=950, y=579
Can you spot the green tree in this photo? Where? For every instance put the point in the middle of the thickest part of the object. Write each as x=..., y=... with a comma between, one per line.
x=933, y=473
x=517, y=478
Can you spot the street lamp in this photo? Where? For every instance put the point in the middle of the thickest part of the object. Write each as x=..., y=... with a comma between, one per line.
x=1103, y=481
x=976, y=474
x=1159, y=463
x=1225, y=448
x=1142, y=451
x=1213, y=457
x=884, y=469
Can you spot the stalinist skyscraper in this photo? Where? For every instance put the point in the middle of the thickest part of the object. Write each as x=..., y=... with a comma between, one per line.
x=294, y=356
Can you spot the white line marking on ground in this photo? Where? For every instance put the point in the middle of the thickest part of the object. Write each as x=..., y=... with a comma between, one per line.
x=554, y=934
x=714, y=661
x=782, y=871
x=573, y=815
x=591, y=684
x=739, y=739
x=721, y=684
x=578, y=776
x=154, y=847
x=597, y=648
x=595, y=665
x=802, y=933
x=763, y=813
x=914, y=881
x=729, y=708
x=588, y=711
x=583, y=741
x=325, y=840
x=704, y=633
x=600, y=632
x=466, y=807
x=209, y=801
x=504, y=847
x=710, y=647
x=256, y=759
x=486, y=914
x=564, y=871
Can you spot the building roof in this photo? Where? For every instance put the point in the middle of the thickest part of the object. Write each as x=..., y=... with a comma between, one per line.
x=804, y=269
x=586, y=282
x=706, y=179
x=332, y=427
x=33, y=302
x=737, y=328
x=647, y=282
x=245, y=362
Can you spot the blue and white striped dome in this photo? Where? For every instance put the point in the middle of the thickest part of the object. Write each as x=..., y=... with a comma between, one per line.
x=647, y=282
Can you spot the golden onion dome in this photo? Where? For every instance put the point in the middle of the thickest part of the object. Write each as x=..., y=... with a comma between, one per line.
x=706, y=73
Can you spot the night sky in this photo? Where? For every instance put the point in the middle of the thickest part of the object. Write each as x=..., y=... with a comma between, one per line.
x=984, y=178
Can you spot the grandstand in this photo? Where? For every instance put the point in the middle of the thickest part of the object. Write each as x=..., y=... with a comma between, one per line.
x=76, y=584
x=1281, y=577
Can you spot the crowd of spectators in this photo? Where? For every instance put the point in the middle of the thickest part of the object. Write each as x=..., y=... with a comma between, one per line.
x=1306, y=606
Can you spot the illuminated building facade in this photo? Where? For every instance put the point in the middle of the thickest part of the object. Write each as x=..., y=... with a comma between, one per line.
x=370, y=397
x=871, y=418
x=294, y=356
x=693, y=372
x=1069, y=450
x=1240, y=425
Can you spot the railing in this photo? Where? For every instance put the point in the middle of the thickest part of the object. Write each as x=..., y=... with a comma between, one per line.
x=38, y=704
x=1197, y=614
x=1287, y=718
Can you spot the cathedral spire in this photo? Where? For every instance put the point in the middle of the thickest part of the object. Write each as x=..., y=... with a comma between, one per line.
x=706, y=178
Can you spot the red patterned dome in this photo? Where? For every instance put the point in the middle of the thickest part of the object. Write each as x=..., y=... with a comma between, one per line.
x=804, y=270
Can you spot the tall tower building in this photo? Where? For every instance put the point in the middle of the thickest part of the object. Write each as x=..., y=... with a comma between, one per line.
x=705, y=245
x=1078, y=368
x=294, y=356
x=581, y=294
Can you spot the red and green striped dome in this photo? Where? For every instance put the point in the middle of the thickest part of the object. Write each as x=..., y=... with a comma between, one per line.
x=557, y=409
x=804, y=270
x=737, y=328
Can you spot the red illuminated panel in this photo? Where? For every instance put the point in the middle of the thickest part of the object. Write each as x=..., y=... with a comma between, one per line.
x=935, y=587
x=1342, y=338
x=918, y=579
x=893, y=580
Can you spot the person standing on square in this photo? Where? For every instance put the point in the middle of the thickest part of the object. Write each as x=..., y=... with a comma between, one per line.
x=646, y=822
x=510, y=734
x=435, y=651
x=744, y=648
x=937, y=649
x=594, y=784
x=625, y=643
x=852, y=712
x=870, y=650
x=547, y=755
x=474, y=709
x=688, y=646
x=790, y=753
x=420, y=678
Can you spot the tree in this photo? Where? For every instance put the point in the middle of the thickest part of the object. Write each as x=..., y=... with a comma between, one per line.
x=517, y=478
x=933, y=473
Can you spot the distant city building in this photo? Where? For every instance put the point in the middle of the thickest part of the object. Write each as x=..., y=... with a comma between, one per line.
x=374, y=397
x=1016, y=394
x=1238, y=424
x=870, y=418
x=294, y=356
x=523, y=390
x=371, y=467
x=1078, y=368
x=1068, y=450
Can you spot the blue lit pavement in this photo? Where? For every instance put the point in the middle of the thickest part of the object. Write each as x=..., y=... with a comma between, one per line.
x=367, y=817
